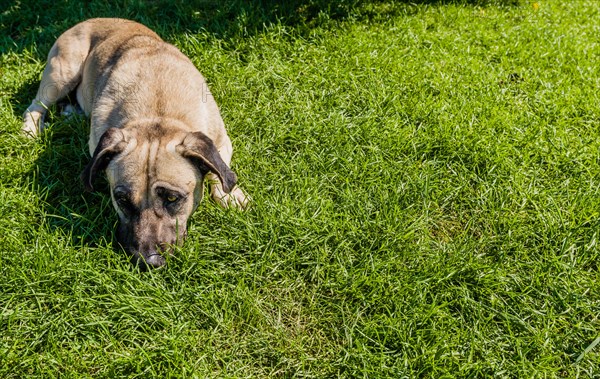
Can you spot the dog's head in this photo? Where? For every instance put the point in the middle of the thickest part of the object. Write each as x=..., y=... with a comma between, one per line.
x=155, y=177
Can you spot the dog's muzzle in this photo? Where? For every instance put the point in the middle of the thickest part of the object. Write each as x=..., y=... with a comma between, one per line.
x=146, y=251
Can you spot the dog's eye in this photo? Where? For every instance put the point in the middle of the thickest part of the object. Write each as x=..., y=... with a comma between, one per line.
x=122, y=201
x=172, y=202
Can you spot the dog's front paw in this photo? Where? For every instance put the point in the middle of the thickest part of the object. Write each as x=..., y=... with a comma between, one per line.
x=33, y=123
x=237, y=198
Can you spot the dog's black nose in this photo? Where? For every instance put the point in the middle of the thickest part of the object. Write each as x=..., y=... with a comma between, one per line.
x=155, y=260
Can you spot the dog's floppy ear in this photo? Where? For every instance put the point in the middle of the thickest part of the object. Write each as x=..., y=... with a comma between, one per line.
x=111, y=143
x=204, y=154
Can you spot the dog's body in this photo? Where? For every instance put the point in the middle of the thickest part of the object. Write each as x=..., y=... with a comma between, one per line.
x=155, y=128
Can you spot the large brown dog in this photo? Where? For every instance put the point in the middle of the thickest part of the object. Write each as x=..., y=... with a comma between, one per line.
x=155, y=129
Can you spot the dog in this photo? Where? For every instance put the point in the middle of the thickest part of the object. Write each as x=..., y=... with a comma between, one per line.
x=155, y=130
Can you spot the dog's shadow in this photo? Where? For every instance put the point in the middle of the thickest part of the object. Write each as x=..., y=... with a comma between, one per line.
x=62, y=153
x=86, y=218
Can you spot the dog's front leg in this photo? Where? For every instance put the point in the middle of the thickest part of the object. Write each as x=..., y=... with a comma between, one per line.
x=62, y=75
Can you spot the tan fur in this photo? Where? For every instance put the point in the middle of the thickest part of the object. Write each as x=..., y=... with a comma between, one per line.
x=126, y=77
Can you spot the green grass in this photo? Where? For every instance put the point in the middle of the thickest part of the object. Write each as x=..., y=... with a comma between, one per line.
x=426, y=185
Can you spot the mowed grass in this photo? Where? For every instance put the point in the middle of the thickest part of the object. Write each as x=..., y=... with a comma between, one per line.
x=426, y=199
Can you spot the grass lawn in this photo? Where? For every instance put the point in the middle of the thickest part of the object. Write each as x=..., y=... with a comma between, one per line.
x=426, y=185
